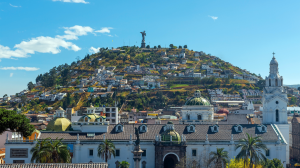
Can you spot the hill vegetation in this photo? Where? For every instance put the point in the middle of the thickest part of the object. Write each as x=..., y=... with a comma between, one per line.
x=173, y=92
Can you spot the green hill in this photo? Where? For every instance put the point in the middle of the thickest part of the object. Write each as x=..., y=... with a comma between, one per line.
x=173, y=92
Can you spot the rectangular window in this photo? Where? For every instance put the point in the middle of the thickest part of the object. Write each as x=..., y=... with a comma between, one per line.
x=117, y=152
x=194, y=152
x=91, y=152
x=267, y=152
x=144, y=153
x=107, y=115
x=113, y=120
x=113, y=114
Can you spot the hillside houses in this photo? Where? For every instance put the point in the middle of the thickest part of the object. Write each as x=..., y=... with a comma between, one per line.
x=218, y=95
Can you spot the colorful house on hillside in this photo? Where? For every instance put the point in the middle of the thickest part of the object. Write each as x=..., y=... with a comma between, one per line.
x=90, y=89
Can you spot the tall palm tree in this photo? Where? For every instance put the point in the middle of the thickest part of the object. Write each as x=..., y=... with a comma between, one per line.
x=251, y=148
x=220, y=157
x=106, y=149
x=40, y=152
x=124, y=164
x=59, y=151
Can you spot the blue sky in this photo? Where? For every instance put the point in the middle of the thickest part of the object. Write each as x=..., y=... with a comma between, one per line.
x=37, y=35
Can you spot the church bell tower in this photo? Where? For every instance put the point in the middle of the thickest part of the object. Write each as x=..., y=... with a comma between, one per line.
x=274, y=98
x=275, y=105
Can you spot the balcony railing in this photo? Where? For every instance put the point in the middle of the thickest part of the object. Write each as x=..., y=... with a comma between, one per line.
x=91, y=123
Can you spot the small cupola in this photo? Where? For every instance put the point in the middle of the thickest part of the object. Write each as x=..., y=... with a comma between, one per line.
x=143, y=128
x=60, y=112
x=214, y=128
x=261, y=128
x=238, y=128
x=190, y=128
x=119, y=128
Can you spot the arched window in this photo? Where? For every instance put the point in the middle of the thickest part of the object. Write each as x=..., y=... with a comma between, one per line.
x=277, y=102
x=117, y=164
x=281, y=82
x=188, y=116
x=277, y=115
x=199, y=117
x=143, y=128
x=269, y=82
x=144, y=164
x=100, y=119
x=191, y=128
x=276, y=82
x=86, y=119
x=215, y=128
x=263, y=129
x=119, y=128
x=240, y=128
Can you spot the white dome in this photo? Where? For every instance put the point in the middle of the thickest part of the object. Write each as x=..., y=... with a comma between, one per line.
x=274, y=61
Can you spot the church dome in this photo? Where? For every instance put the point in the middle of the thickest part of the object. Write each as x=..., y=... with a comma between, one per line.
x=168, y=133
x=59, y=124
x=273, y=61
x=60, y=108
x=197, y=100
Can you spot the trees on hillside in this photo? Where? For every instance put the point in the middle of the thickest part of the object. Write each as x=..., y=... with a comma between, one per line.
x=30, y=86
x=171, y=46
x=15, y=123
x=66, y=77
x=158, y=46
x=185, y=46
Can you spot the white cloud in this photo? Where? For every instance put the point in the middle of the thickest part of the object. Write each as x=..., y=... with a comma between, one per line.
x=213, y=17
x=73, y=1
x=11, y=74
x=72, y=33
x=94, y=50
x=20, y=68
x=39, y=44
x=104, y=30
x=47, y=44
x=14, y=6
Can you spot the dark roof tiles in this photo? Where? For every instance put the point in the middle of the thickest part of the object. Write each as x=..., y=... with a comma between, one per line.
x=224, y=133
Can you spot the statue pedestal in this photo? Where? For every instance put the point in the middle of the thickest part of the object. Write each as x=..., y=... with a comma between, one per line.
x=137, y=156
x=143, y=45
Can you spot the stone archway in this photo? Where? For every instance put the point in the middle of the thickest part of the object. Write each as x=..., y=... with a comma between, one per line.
x=170, y=160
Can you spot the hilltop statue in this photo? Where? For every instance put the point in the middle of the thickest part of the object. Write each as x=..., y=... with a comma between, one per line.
x=143, y=35
x=137, y=133
x=143, y=45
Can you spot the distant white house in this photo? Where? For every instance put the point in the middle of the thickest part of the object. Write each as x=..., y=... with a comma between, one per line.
x=152, y=85
x=204, y=66
x=197, y=75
